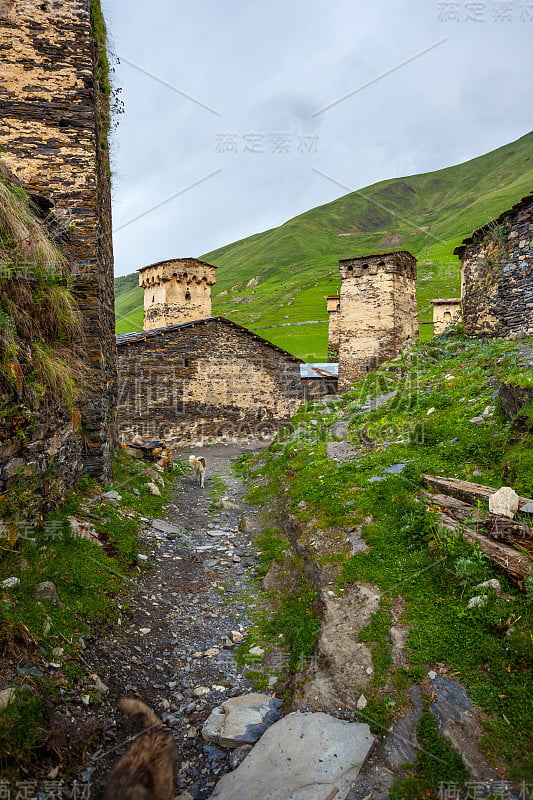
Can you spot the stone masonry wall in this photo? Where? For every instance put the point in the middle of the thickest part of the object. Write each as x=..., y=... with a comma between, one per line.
x=204, y=382
x=334, y=307
x=176, y=292
x=52, y=129
x=378, y=312
x=497, y=275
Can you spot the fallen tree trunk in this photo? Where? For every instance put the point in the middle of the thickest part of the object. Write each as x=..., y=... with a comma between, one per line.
x=514, y=563
x=470, y=492
x=497, y=527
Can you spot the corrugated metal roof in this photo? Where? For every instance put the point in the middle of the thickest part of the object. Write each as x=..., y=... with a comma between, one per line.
x=139, y=336
x=328, y=370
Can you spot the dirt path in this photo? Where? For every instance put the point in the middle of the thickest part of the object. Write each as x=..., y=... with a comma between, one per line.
x=186, y=604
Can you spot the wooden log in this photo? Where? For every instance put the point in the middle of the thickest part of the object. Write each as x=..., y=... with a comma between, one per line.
x=494, y=525
x=470, y=492
x=514, y=563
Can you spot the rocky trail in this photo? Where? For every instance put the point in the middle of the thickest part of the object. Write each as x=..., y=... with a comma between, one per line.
x=175, y=650
x=175, y=647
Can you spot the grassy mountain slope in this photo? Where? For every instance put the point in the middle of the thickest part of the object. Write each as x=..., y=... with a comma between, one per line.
x=426, y=573
x=280, y=276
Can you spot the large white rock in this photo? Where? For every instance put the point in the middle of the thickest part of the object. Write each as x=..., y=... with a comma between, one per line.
x=504, y=502
x=301, y=757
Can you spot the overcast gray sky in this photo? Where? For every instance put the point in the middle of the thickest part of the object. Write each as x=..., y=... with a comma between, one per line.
x=232, y=106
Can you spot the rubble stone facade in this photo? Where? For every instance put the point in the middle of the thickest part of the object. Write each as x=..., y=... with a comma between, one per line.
x=497, y=275
x=378, y=311
x=53, y=130
x=176, y=292
x=205, y=381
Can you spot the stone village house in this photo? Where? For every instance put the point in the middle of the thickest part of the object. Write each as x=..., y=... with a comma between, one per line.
x=497, y=274
x=193, y=378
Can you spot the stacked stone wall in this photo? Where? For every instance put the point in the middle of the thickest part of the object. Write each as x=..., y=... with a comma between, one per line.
x=497, y=276
x=53, y=131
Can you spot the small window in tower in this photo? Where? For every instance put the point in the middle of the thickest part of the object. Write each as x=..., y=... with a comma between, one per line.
x=187, y=295
x=153, y=298
x=338, y=306
x=365, y=266
x=350, y=268
x=447, y=316
x=381, y=263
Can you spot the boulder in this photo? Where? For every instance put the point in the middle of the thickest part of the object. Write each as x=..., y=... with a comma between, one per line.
x=47, y=591
x=153, y=489
x=156, y=476
x=241, y=720
x=504, y=502
x=514, y=398
x=301, y=757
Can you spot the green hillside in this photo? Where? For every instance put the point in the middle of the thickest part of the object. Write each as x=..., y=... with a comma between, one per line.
x=279, y=277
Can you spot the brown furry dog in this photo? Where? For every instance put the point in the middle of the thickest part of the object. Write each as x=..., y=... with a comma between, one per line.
x=198, y=465
x=147, y=770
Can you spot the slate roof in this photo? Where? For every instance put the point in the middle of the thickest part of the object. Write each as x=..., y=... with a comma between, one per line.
x=187, y=260
x=378, y=255
x=140, y=336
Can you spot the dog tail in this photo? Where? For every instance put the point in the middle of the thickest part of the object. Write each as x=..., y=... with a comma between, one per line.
x=140, y=711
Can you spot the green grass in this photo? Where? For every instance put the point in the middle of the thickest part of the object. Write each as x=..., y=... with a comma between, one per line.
x=441, y=385
x=91, y=582
x=296, y=263
x=437, y=765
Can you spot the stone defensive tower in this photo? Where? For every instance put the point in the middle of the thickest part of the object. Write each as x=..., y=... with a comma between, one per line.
x=333, y=302
x=176, y=292
x=378, y=311
x=54, y=120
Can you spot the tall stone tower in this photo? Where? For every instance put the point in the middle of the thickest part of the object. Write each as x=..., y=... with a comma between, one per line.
x=378, y=311
x=176, y=292
x=54, y=120
x=333, y=302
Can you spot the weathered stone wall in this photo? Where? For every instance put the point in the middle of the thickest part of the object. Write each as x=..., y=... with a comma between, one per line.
x=176, y=292
x=204, y=382
x=446, y=312
x=497, y=275
x=53, y=117
x=334, y=308
x=378, y=311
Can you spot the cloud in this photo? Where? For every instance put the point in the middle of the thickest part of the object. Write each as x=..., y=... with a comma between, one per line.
x=266, y=69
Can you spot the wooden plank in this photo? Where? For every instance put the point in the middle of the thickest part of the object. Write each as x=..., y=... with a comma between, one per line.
x=514, y=563
x=470, y=492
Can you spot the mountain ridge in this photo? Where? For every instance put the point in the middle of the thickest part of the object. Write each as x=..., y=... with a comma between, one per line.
x=281, y=275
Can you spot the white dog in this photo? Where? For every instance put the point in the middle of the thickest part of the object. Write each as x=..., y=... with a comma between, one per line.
x=198, y=465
